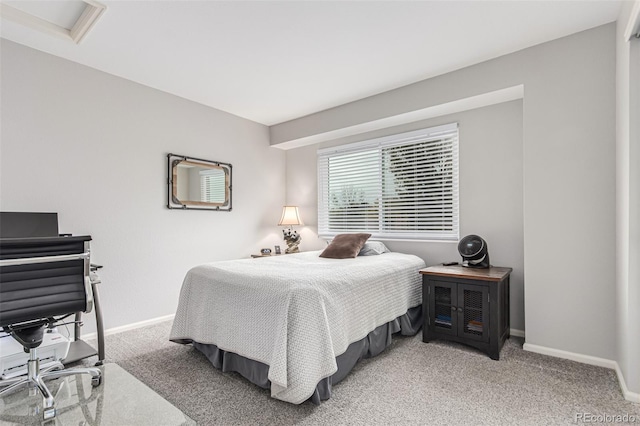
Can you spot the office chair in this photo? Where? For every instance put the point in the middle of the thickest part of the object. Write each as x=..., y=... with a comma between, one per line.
x=43, y=281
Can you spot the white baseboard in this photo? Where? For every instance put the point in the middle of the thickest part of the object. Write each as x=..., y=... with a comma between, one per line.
x=133, y=326
x=516, y=333
x=587, y=359
x=628, y=395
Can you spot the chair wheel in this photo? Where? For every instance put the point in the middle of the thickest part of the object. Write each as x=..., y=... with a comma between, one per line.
x=96, y=381
x=49, y=413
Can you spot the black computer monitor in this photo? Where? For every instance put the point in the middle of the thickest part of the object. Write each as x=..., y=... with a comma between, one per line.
x=28, y=225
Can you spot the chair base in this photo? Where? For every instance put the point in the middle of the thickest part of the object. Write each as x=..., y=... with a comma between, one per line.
x=36, y=377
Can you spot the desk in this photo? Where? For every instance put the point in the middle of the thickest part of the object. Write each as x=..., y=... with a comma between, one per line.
x=120, y=400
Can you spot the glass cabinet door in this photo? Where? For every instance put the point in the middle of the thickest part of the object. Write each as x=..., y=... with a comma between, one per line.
x=442, y=307
x=473, y=312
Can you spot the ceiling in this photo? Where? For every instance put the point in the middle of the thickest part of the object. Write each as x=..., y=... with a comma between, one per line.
x=273, y=61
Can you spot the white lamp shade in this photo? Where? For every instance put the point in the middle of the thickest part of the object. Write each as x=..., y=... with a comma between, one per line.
x=290, y=216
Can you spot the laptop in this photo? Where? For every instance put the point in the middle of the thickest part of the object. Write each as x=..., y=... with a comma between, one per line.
x=28, y=225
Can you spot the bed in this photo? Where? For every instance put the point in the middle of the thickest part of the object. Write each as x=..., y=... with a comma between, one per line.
x=297, y=324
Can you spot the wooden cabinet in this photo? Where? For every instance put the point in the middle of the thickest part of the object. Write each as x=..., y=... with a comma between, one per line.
x=466, y=305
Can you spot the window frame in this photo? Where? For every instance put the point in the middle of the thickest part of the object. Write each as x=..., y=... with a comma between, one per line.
x=449, y=133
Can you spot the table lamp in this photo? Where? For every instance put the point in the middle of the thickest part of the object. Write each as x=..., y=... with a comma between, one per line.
x=291, y=217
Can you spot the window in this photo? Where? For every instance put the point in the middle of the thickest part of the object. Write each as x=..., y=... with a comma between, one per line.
x=398, y=187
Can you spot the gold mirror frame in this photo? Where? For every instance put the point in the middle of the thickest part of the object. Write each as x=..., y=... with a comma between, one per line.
x=197, y=184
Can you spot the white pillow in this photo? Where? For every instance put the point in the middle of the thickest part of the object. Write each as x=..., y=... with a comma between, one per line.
x=372, y=248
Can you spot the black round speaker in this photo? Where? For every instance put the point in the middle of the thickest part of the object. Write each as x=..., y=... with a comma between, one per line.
x=474, y=252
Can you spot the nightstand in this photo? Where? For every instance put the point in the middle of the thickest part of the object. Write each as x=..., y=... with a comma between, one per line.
x=466, y=305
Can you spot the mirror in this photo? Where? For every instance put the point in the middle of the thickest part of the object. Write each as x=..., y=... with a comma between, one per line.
x=198, y=184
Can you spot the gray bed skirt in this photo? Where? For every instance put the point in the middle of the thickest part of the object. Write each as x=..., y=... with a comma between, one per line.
x=373, y=344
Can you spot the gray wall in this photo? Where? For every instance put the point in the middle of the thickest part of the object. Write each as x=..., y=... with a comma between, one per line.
x=632, y=370
x=628, y=204
x=490, y=190
x=93, y=147
x=568, y=182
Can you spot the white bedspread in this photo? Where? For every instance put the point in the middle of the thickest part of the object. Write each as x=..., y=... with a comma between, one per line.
x=295, y=313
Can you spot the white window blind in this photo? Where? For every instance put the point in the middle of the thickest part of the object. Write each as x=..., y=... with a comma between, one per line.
x=212, y=186
x=403, y=186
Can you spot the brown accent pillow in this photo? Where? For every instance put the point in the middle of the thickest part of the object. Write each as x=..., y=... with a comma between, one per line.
x=345, y=246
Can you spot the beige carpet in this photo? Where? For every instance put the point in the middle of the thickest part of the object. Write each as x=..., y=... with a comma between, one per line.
x=411, y=382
